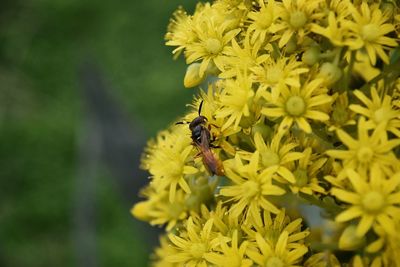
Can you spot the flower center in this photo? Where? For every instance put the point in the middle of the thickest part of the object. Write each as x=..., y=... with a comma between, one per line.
x=251, y=188
x=380, y=115
x=295, y=106
x=373, y=202
x=269, y=158
x=274, y=262
x=264, y=20
x=274, y=74
x=213, y=46
x=365, y=154
x=197, y=250
x=301, y=177
x=298, y=19
x=370, y=32
x=174, y=169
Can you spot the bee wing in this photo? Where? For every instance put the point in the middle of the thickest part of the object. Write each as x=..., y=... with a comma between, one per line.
x=213, y=165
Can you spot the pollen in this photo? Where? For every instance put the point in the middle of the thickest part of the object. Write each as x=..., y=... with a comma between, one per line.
x=295, y=106
x=370, y=32
x=373, y=202
x=213, y=46
x=298, y=19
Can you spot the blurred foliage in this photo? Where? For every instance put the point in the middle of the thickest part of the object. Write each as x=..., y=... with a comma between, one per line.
x=43, y=43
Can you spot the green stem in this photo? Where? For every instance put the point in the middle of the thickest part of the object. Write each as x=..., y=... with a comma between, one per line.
x=338, y=56
x=349, y=70
x=327, y=203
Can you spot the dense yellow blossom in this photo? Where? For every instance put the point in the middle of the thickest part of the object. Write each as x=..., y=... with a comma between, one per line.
x=367, y=151
x=300, y=108
x=378, y=110
x=297, y=104
x=276, y=155
x=369, y=24
x=250, y=188
x=372, y=198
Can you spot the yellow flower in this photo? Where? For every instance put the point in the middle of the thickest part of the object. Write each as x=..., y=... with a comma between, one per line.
x=387, y=245
x=262, y=21
x=224, y=222
x=157, y=210
x=235, y=101
x=297, y=18
x=374, y=198
x=276, y=155
x=161, y=252
x=240, y=59
x=322, y=259
x=168, y=160
x=211, y=44
x=368, y=261
x=274, y=73
x=364, y=69
x=369, y=24
x=231, y=256
x=366, y=151
x=280, y=255
x=181, y=32
x=251, y=188
x=306, y=171
x=378, y=110
x=338, y=31
x=271, y=227
x=193, y=245
x=297, y=104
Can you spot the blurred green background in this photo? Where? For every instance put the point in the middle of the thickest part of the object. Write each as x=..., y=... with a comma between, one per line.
x=83, y=84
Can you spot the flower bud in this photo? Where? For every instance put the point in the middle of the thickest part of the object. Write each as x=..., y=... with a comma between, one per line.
x=192, y=77
x=311, y=56
x=330, y=73
x=349, y=240
x=140, y=210
x=262, y=128
x=291, y=45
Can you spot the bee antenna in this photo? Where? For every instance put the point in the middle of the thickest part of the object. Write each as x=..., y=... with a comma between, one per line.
x=201, y=105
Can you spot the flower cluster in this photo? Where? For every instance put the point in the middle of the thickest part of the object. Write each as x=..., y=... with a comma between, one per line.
x=289, y=155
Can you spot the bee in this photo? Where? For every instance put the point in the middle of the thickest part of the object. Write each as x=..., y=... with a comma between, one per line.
x=201, y=139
